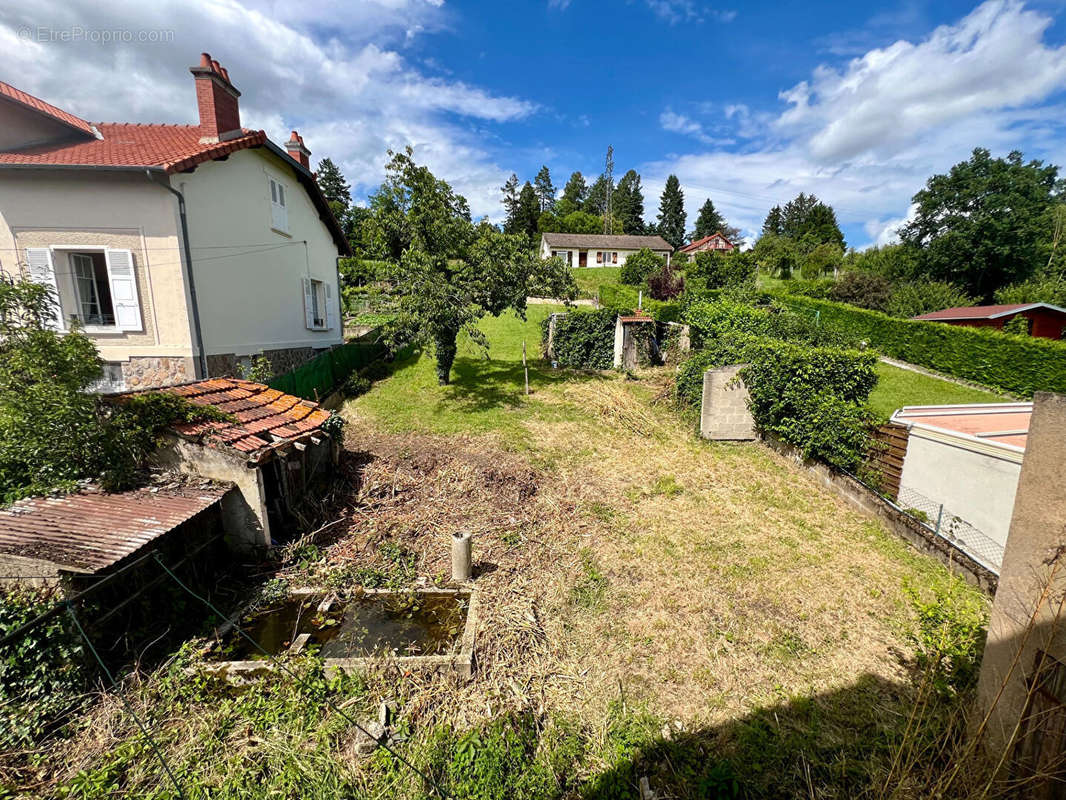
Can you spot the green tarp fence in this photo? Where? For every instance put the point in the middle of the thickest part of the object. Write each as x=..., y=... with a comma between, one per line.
x=326, y=371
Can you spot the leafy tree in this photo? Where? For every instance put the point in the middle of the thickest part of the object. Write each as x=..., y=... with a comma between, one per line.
x=510, y=202
x=823, y=259
x=542, y=184
x=863, y=289
x=986, y=223
x=666, y=283
x=895, y=262
x=1039, y=289
x=574, y=222
x=672, y=212
x=333, y=185
x=774, y=224
x=576, y=191
x=527, y=212
x=777, y=255
x=639, y=266
x=629, y=203
x=708, y=221
x=454, y=273
x=810, y=222
x=921, y=297
x=733, y=270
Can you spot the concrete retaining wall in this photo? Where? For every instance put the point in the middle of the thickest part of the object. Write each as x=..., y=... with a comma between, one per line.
x=724, y=414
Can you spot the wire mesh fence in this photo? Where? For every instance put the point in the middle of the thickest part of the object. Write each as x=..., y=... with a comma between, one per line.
x=952, y=528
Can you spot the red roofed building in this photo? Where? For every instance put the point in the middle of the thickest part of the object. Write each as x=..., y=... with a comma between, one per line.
x=1045, y=320
x=715, y=242
x=182, y=250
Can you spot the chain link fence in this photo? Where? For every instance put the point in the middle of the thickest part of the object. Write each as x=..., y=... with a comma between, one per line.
x=941, y=521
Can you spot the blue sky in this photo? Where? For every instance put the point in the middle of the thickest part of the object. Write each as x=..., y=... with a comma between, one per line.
x=748, y=103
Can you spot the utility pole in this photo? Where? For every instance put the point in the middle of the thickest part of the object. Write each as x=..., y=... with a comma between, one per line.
x=608, y=207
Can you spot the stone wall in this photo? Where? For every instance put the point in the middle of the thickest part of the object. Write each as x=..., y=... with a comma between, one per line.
x=724, y=414
x=281, y=361
x=149, y=372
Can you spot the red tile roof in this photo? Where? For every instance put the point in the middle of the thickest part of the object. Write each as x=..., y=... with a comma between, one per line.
x=265, y=418
x=984, y=312
x=693, y=245
x=171, y=147
x=90, y=530
x=22, y=98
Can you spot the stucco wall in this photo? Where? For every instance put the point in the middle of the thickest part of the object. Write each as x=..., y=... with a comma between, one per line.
x=43, y=208
x=977, y=487
x=23, y=127
x=251, y=297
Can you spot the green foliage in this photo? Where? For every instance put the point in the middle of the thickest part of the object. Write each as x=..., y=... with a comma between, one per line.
x=724, y=270
x=40, y=673
x=590, y=588
x=777, y=255
x=950, y=635
x=640, y=265
x=332, y=183
x=809, y=222
x=356, y=385
x=1011, y=363
x=817, y=288
x=823, y=259
x=628, y=202
x=260, y=371
x=626, y=298
x=920, y=297
x=672, y=212
x=710, y=222
x=987, y=223
x=583, y=339
x=726, y=317
x=574, y=193
x=527, y=213
x=1040, y=289
x=544, y=189
x=894, y=262
x=862, y=289
x=1017, y=326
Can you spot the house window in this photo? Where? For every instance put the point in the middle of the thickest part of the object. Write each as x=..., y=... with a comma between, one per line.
x=318, y=305
x=92, y=289
x=565, y=255
x=279, y=212
x=605, y=257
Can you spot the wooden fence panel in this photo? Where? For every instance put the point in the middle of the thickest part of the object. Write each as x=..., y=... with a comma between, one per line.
x=887, y=454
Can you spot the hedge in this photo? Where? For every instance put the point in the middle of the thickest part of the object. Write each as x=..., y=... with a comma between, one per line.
x=583, y=339
x=812, y=397
x=1017, y=364
x=725, y=317
x=619, y=297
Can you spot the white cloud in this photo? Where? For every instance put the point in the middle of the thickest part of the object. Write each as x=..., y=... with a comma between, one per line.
x=351, y=98
x=866, y=136
x=679, y=123
x=687, y=11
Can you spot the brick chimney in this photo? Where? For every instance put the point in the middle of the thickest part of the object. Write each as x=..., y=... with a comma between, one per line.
x=216, y=97
x=298, y=150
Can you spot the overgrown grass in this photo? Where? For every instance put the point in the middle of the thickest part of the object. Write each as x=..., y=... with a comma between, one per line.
x=589, y=279
x=898, y=387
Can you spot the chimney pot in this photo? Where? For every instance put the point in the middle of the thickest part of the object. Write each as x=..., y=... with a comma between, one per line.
x=225, y=74
x=298, y=150
x=216, y=66
x=205, y=59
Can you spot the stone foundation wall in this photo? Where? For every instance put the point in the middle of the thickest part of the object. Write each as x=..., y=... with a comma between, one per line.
x=222, y=364
x=724, y=414
x=281, y=361
x=149, y=372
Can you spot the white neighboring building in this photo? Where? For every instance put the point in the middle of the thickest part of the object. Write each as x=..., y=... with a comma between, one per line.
x=182, y=250
x=599, y=250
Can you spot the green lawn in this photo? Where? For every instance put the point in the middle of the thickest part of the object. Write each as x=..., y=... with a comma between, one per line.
x=486, y=393
x=901, y=387
x=589, y=279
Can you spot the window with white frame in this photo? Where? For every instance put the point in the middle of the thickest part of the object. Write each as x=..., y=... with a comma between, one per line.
x=606, y=257
x=92, y=289
x=318, y=305
x=279, y=211
x=96, y=286
x=565, y=255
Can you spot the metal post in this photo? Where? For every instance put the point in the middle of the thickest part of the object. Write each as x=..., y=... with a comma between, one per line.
x=939, y=518
x=461, y=556
x=524, y=366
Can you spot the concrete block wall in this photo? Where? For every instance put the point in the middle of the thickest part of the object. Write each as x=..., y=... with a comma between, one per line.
x=724, y=414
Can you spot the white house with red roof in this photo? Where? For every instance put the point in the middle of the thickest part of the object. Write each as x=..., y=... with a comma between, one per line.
x=716, y=242
x=182, y=250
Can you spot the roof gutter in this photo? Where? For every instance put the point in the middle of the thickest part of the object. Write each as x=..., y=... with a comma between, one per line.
x=188, y=261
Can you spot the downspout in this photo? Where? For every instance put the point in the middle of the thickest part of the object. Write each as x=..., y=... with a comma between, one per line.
x=188, y=261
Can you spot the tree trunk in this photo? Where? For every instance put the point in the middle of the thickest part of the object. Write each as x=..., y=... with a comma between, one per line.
x=446, y=347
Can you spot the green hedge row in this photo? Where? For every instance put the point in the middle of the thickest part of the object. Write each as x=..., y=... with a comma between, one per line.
x=725, y=317
x=812, y=397
x=1017, y=364
x=617, y=296
x=583, y=339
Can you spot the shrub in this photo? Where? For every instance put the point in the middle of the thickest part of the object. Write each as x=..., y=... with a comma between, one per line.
x=1011, y=363
x=724, y=271
x=1046, y=289
x=950, y=634
x=665, y=284
x=626, y=298
x=1018, y=326
x=356, y=385
x=862, y=289
x=639, y=266
x=583, y=339
x=818, y=288
x=921, y=297
x=821, y=260
x=725, y=317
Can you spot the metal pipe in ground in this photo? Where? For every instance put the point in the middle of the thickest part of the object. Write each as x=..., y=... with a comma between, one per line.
x=461, y=556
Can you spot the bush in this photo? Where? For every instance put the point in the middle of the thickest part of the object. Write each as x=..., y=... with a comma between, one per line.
x=639, y=266
x=1047, y=289
x=356, y=385
x=818, y=288
x=726, y=317
x=823, y=259
x=1018, y=326
x=665, y=284
x=626, y=298
x=921, y=297
x=1010, y=363
x=812, y=397
x=724, y=271
x=583, y=339
x=862, y=289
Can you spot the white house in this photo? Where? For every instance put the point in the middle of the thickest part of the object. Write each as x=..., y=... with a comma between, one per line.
x=183, y=250
x=599, y=250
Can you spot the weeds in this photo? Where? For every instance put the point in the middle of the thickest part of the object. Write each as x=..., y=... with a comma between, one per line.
x=590, y=588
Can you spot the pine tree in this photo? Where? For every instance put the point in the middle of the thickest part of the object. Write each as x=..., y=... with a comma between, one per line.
x=576, y=191
x=510, y=202
x=596, y=200
x=629, y=203
x=709, y=221
x=527, y=211
x=542, y=184
x=672, y=212
x=331, y=182
x=774, y=225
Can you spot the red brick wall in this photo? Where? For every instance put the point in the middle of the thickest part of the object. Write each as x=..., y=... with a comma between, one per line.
x=219, y=110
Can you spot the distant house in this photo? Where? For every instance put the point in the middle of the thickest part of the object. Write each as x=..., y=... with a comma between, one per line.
x=715, y=242
x=1045, y=320
x=182, y=250
x=598, y=250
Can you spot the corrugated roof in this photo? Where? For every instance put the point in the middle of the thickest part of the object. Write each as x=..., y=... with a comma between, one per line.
x=593, y=240
x=266, y=418
x=985, y=312
x=91, y=530
x=1002, y=423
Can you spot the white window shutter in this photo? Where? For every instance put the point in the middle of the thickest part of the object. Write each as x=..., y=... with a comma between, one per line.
x=124, y=296
x=331, y=318
x=40, y=270
x=279, y=214
x=309, y=303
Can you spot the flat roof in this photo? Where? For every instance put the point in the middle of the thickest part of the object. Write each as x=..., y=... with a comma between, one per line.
x=1004, y=424
x=91, y=530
